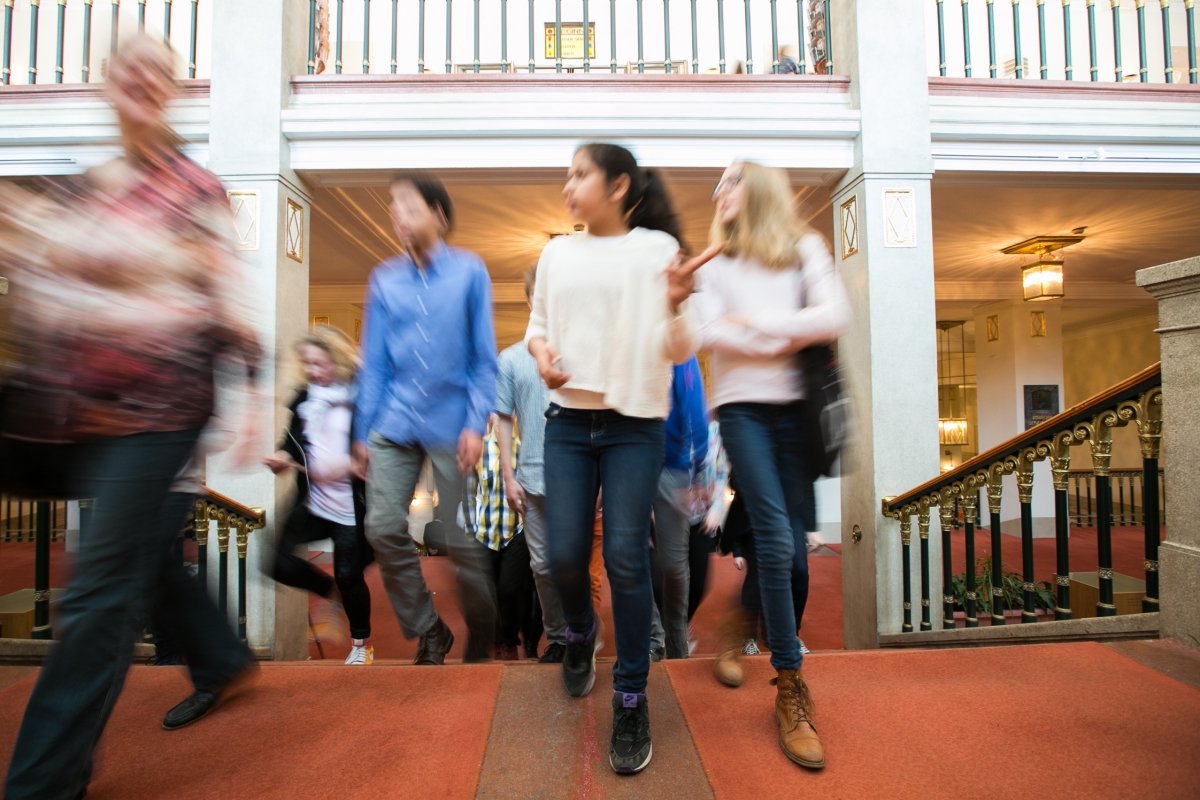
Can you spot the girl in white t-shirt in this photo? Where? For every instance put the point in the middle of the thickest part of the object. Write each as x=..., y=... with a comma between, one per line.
x=610, y=319
x=330, y=502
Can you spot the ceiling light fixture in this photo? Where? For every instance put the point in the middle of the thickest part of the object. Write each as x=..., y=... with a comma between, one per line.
x=1043, y=279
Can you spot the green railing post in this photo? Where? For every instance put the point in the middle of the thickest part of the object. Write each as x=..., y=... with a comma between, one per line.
x=223, y=562
x=612, y=28
x=991, y=13
x=476, y=61
x=667, y=35
x=449, y=30
x=421, y=36
x=587, y=39
x=558, y=34
x=116, y=27
x=828, y=42
x=531, y=38
x=696, y=41
x=641, y=54
x=1192, y=41
x=1060, y=470
x=200, y=525
x=1068, y=66
x=1116, y=17
x=366, y=59
x=41, y=573
x=1168, y=67
x=58, y=51
x=749, y=44
x=801, y=57
x=192, y=35
x=1018, y=61
x=395, y=30
x=1025, y=495
x=923, y=532
x=86, y=70
x=1143, y=69
x=966, y=40
x=946, y=512
x=312, y=36
x=969, y=504
x=8, y=24
x=1041, y=8
x=1091, y=10
x=337, y=57
x=905, y=537
x=941, y=41
x=243, y=540
x=1150, y=518
x=774, y=39
x=34, y=7
x=994, y=489
x=721, y=32
x=167, y=20
x=505, y=67
x=141, y=16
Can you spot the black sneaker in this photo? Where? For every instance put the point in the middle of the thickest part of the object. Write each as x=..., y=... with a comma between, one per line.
x=630, y=751
x=658, y=653
x=579, y=662
x=554, y=654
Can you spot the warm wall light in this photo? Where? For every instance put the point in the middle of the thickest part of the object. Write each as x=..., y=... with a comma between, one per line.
x=1043, y=280
x=952, y=431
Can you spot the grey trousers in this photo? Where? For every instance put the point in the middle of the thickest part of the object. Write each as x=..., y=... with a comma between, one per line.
x=672, y=534
x=534, y=522
x=391, y=481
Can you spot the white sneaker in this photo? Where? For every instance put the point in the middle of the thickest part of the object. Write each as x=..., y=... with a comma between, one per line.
x=361, y=655
x=804, y=651
x=750, y=648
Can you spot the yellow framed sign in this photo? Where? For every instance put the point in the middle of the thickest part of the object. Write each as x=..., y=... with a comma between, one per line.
x=572, y=40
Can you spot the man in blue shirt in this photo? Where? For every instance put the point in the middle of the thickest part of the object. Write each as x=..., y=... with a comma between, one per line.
x=425, y=389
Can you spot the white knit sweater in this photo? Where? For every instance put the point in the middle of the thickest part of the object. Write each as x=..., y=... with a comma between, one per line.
x=755, y=319
x=601, y=303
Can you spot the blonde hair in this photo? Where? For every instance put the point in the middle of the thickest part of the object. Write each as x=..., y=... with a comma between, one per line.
x=149, y=53
x=767, y=228
x=337, y=345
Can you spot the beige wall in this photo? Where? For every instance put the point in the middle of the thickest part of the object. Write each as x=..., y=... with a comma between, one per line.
x=1098, y=356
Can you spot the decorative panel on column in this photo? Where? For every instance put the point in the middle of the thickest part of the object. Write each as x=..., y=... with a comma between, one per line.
x=294, y=231
x=899, y=218
x=244, y=205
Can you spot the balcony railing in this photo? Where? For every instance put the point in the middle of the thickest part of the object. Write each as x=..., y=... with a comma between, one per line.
x=634, y=36
x=228, y=515
x=1137, y=400
x=1108, y=34
x=72, y=41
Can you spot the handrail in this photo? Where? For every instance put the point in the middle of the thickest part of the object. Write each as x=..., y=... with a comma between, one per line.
x=255, y=515
x=1137, y=399
x=1129, y=388
x=211, y=507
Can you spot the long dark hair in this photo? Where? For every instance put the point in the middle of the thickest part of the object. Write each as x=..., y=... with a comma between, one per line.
x=647, y=202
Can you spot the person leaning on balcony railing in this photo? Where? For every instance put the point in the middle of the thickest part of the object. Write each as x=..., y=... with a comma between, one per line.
x=129, y=293
x=772, y=292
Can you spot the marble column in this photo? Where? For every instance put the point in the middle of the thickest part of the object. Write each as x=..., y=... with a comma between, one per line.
x=884, y=254
x=257, y=47
x=1176, y=286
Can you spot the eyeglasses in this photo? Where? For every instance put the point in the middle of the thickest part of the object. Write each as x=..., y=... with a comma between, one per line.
x=725, y=184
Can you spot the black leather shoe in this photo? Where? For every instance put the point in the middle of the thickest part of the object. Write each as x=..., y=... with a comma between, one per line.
x=190, y=710
x=434, y=645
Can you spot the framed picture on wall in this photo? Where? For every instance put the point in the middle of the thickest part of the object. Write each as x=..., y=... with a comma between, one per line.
x=324, y=320
x=1041, y=403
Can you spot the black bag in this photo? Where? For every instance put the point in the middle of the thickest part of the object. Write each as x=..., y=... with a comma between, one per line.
x=825, y=414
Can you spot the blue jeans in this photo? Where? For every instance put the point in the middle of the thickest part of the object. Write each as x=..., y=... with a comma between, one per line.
x=587, y=450
x=122, y=568
x=764, y=443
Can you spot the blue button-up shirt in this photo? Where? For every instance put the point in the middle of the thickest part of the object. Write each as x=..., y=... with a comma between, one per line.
x=429, y=353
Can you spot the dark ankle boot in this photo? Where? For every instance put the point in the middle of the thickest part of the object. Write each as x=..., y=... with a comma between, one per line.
x=435, y=643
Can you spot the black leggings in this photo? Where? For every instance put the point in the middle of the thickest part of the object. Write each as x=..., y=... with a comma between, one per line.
x=350, y=556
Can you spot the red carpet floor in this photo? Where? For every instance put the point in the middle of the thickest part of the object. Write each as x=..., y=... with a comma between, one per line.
x=1070, y=720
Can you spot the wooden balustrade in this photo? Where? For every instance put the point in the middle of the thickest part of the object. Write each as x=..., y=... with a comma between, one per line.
x=1137, y=401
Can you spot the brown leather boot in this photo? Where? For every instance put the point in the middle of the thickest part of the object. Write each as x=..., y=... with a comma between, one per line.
x=731, y=635
x=794, y=712
x=434, y=644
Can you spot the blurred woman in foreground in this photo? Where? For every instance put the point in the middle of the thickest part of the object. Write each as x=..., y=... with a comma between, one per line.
x=125, y=297
x=772, y=293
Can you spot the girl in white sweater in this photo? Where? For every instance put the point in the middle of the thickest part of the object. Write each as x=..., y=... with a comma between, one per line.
x=610, y=317
x=772, y=293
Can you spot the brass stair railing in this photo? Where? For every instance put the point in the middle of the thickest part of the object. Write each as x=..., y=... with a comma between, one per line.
x=227, y=514
x=1137, y=400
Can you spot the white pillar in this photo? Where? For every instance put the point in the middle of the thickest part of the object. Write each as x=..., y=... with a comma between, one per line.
x=884, y=253
x=257, y=47
x=1018, y=353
